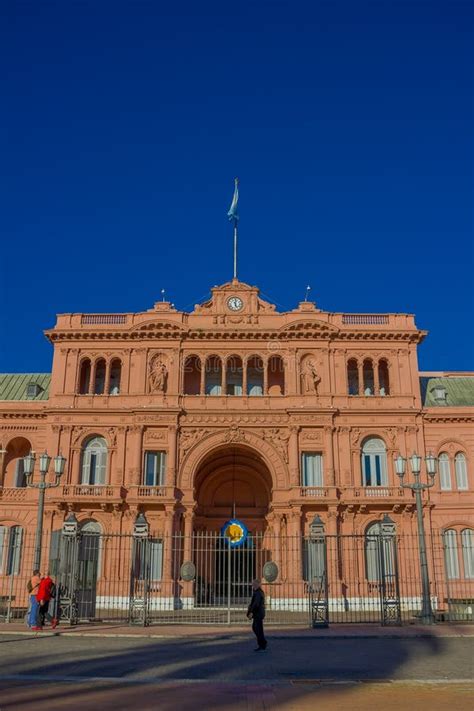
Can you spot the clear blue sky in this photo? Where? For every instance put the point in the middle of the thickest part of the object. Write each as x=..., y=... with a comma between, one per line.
x=350, y=125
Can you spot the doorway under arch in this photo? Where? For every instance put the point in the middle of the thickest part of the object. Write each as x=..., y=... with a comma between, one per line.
x=233, y=481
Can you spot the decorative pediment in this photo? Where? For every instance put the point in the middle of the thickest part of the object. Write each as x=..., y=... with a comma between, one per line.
x=156, y=328
x=235, y=299
x=310, y=328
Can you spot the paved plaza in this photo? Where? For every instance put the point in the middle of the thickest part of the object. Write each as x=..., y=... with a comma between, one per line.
x=217, y=669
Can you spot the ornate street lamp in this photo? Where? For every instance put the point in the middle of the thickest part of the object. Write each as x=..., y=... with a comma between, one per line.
x=59, y=463
x=431, y=464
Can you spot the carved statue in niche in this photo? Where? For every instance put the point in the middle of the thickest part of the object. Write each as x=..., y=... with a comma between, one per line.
x=310, y=378
x=158, y=375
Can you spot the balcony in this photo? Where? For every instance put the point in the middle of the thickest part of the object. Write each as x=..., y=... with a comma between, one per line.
x=17, y=494
x=149, y=493
x=319, y=492
x=376, y=493
x=95, y=493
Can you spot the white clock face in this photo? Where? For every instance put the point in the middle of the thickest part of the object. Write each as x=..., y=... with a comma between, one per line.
x=234, y=303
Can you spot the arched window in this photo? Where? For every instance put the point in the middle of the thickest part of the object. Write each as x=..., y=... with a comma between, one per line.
x=11, y=540
x=255, y=376
x=115, y=375
x=451, y=554
x=276, y=375
x=192, y=375
x=352, y=377
x=14, y=474
x=444, y=472
x=384, y=384
x=213, y=376
x=85, y=377
x=379, y=555
x=234, y=375
x=94, y=461
x=368, y=373
x=374, y=462
x=460, y=468
x=467, y=542
x=99, y=382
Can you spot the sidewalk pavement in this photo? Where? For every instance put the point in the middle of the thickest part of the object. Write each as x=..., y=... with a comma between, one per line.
x=336, y=631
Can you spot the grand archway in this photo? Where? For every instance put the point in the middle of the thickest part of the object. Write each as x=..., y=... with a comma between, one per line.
x=232, y=481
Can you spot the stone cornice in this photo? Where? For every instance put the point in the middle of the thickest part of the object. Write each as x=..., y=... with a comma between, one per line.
x=290, y=332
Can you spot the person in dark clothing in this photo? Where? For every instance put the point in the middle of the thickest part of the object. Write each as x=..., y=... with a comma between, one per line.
x=256, y=612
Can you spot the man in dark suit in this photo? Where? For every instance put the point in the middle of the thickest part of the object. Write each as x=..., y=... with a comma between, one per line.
x=256, y=612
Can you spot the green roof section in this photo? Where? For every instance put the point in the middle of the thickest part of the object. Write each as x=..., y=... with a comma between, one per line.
x=447, y=392
x=14, y=386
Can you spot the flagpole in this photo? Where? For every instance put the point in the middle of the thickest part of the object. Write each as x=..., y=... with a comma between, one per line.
x=235, y=249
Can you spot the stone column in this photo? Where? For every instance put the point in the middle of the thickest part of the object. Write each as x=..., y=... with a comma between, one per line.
x=376, y=378
x=224, y=376
x=328, y=433
x=277, y=541
x=92, y=378
x=244, y=376
x=169, y=545
x=293, y=456
x=202, y=386
x=295, y=572
x=265, y=375
x=135, y=455
x=75, y=467
x=107, y=377
x=360, y=370
x=170, y=479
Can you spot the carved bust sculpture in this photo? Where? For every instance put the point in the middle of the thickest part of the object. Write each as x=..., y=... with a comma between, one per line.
x=310, y=378
x=158, y=376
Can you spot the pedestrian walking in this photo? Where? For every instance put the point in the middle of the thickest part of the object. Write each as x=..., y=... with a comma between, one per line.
x=32, y=587
x=256, y=612
x=46, y=593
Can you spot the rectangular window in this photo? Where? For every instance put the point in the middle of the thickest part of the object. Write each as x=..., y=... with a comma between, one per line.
x=54, y=552
x=156, y=559
x=451, y=555
x=314, y=567
x=20, y=478
x=375, y=470
x=445, y=472
x=155, y=468
x=312, y=469
x=14, y=550
x=3, y=546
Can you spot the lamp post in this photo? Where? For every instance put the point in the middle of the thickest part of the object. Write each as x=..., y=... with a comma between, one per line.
x=427, y=617
x=29, y=466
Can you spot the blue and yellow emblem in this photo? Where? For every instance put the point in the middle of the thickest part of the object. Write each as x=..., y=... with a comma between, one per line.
x=235, y=532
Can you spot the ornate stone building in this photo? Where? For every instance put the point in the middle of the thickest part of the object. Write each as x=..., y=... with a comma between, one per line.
x=236, y=408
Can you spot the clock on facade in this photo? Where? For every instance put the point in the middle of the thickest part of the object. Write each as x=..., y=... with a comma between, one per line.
x=234, y=303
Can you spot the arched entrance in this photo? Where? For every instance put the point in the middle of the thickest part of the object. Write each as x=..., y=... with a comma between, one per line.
x=232, y=482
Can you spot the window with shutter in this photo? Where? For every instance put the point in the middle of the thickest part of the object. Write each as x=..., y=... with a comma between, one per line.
x=460, y=468
x=374, y=462
x=312, y=469
x=94, y=462
x=451, y=554
x=444, y=472
x=467, y=542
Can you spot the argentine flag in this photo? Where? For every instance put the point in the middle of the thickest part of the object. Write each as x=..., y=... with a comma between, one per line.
x=232, y=214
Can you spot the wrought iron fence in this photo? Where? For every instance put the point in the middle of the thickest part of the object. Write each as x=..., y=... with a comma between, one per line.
x=321, y=579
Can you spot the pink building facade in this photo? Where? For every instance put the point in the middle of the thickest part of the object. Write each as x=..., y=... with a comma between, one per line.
x=238, y=410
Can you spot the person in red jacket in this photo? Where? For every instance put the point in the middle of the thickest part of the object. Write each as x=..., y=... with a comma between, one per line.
x=46, y=592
